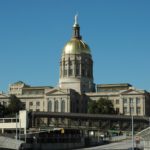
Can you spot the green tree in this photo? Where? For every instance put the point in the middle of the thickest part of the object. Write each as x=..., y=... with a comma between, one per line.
x=14, y=104
x=101, y=106
x=2, y=110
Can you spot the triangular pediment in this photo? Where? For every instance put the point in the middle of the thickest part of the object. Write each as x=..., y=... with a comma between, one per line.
x=57, y=91
x=132, y=92
x=3, y=95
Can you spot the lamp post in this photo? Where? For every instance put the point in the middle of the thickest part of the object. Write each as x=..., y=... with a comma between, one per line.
x=132, y=122
x=132, y=133
x=16, y=131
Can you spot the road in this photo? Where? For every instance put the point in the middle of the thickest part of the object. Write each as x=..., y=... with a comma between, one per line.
x=124, y=145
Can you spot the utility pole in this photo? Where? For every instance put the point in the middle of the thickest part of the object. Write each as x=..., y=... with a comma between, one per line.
x=16, y=131
x=132, y=133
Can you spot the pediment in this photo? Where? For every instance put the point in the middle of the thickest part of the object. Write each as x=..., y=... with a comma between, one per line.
x=2, y=95
x=132, y=92
x=57, y=91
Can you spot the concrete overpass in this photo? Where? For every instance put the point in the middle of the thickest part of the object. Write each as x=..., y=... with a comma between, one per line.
x=88, y=121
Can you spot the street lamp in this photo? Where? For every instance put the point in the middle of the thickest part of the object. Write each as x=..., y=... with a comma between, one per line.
x=132, y=133
x=132, y=122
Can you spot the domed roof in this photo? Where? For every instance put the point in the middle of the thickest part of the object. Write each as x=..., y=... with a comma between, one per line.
x=76, y=46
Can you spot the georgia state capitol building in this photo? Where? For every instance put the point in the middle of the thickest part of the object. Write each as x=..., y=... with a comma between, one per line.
x=76, y=86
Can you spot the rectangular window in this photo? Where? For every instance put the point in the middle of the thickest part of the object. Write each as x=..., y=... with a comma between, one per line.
x=24, y=105
x=4, y=103
x=131, y=102
x=132, y=110
x=31, y=103
x=138, y=110
x=70, y=72
x=117, y=110
x=83, y=72
x=125, y=110
x=77, y=71
x=137, y=100
x=70, y=63
x=37, y=103
x=124, y=101
x=65, y=72
x=117, y=101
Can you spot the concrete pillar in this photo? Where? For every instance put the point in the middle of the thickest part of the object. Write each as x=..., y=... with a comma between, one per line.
x=2, y=131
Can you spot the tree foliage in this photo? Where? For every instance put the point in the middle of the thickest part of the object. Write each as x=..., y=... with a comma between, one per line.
x=101, y=106
x=2, y=110
x=14, y=104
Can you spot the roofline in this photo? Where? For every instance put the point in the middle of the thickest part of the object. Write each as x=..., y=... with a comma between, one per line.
x=114, y=85
x=38, y=87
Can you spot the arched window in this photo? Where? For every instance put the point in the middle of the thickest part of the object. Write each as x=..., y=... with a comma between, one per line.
x=50, y=106
x=63, y=106
x=56, y=106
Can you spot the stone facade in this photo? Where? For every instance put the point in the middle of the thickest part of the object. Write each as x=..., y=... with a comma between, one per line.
x=45, y=98
x=126, y=99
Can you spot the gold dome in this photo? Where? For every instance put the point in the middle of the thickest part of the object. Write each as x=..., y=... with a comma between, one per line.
x=76, y=46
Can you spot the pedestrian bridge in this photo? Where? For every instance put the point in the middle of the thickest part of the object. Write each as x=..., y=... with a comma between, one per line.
x=87, y=121
x=19, y=122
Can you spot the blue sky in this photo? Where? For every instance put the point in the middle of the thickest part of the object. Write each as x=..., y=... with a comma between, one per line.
x=33, y=33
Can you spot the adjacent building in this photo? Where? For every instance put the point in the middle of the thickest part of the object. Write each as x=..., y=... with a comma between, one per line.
x=127, y=100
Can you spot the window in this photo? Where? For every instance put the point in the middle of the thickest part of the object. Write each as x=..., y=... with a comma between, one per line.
x=132, y=110
x=117, y=101
x=77, y=68
x=37, y=103
x=63, y=106
x=138, y=110
x=137, y=100
x=4, y=103
x=31, y=103
x=56, y=106
x=112, y=101
x=124, y=101
x=24, y=105
x=70, y=72
x=117, y=110
x=77, y=71
x=50, y=106
x=125, y=110
x=70, y=63
x=131, y=101
x=65, y=72
x=83, y=72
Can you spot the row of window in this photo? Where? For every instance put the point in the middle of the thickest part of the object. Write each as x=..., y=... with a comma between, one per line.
x=132, y=110
x=83, y=73
x=31, y=103
x=56, y=106
x=130, y=100
x=33, y=92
